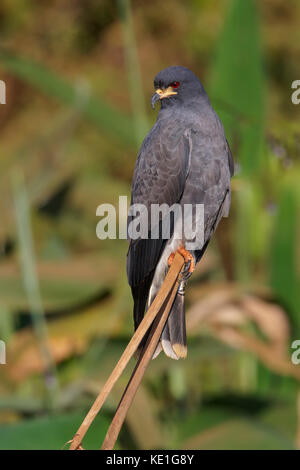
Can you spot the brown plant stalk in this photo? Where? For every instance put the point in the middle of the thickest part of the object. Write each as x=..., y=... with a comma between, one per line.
x=157, y=313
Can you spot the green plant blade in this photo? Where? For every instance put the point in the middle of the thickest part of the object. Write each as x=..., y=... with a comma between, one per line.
x=103, y=115
x=237, y=84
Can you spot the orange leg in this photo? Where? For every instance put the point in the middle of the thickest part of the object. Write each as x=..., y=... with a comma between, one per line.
x=187, y=257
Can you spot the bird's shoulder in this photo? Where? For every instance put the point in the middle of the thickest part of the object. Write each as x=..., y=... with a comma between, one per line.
x=162, y=164
x=208, y=142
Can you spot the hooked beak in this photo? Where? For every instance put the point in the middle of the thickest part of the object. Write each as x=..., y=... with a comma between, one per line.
x=160, y=94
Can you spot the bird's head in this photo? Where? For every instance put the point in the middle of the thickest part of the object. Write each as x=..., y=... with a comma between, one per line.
x=176, y=85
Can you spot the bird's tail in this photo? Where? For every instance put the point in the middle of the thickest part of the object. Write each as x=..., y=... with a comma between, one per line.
x=173, y=338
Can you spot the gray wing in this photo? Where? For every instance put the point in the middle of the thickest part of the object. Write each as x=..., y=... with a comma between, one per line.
x=159, y=177
x=208, y=182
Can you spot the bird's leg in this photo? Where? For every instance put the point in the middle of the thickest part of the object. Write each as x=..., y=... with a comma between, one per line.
x=189, y=265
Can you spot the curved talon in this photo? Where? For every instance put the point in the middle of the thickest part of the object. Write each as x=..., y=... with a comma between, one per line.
x=189, y=262
x=188, y=258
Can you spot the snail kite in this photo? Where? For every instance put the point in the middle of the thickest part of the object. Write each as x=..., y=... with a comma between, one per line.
x=184, y=160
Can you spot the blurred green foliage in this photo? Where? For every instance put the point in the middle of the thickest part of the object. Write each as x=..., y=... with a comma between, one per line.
x=79, y=77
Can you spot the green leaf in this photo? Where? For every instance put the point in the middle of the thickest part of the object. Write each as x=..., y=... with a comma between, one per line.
x=49, y=433
x=237, y=85
x=202, y=420
x=284, y=276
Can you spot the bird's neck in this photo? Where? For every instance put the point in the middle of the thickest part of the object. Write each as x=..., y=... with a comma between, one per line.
x=183, y=109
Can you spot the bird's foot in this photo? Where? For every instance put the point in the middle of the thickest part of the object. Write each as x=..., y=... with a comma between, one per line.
x=189, y=262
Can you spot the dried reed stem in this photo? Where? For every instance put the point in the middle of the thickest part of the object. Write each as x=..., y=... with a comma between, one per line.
x=164, y=298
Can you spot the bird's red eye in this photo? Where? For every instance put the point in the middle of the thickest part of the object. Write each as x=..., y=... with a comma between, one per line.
x=175, y=84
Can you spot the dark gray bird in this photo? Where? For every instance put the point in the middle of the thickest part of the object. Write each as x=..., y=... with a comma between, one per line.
x=185, y=159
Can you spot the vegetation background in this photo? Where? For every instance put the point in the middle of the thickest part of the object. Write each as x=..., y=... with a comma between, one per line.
x=79, y=77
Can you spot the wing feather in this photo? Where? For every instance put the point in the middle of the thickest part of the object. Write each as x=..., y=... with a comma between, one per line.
x=161, y=170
